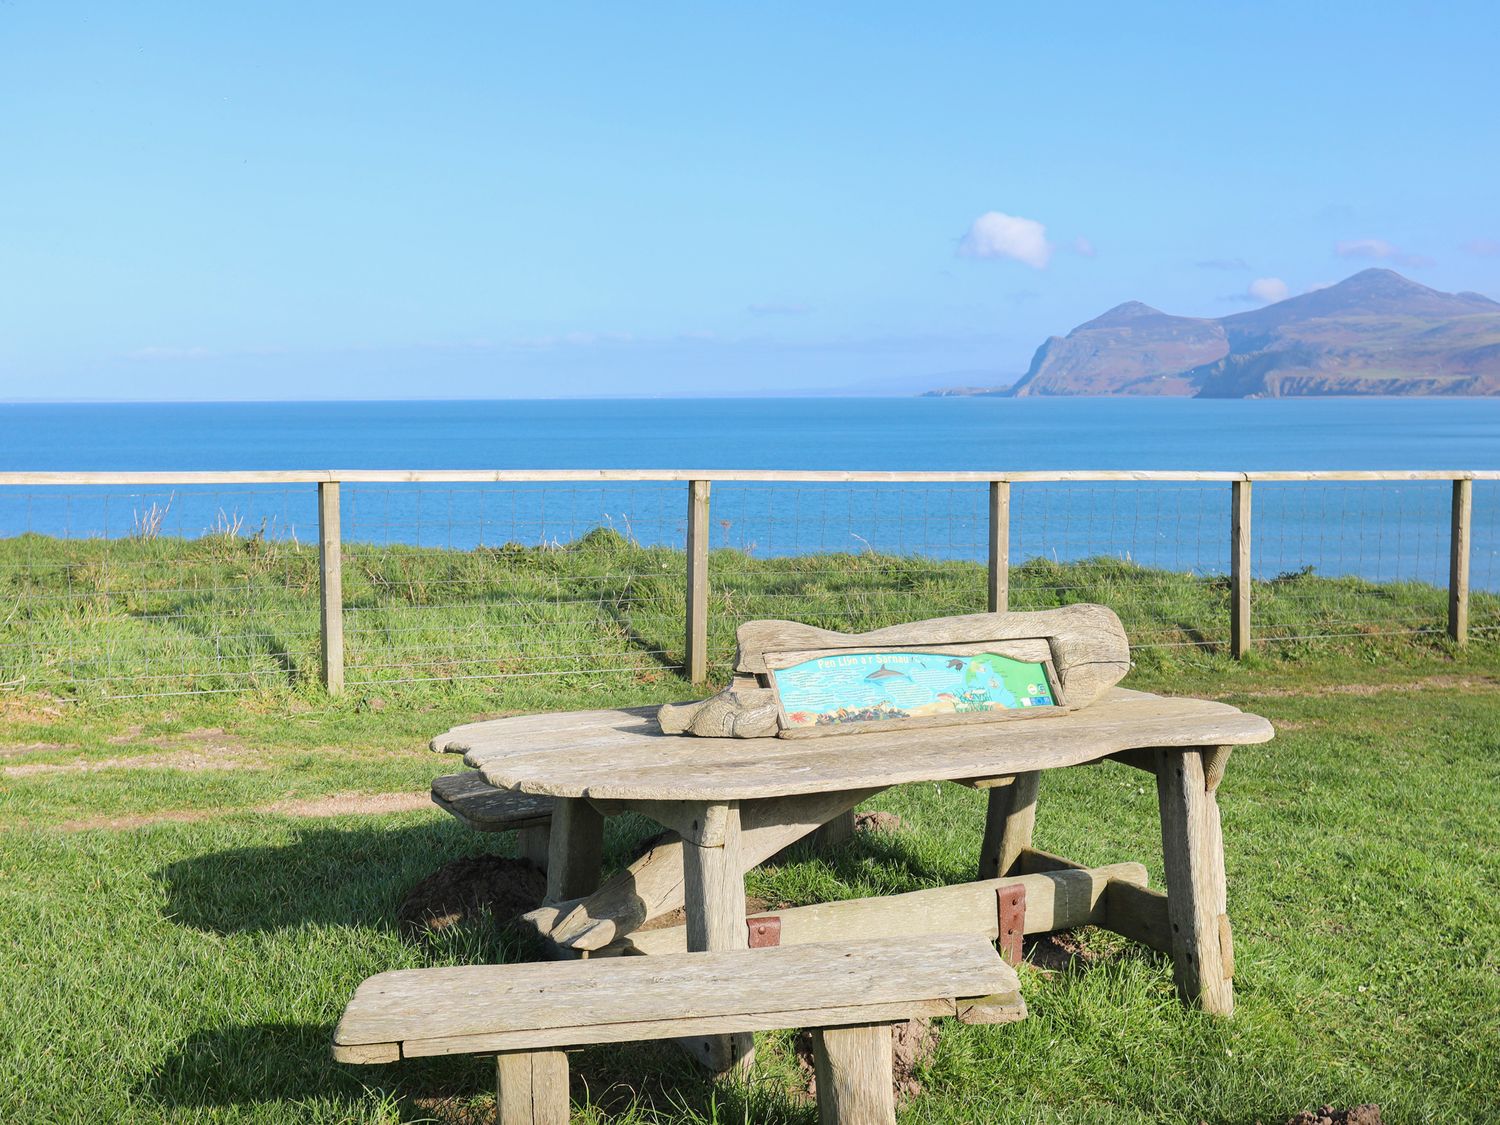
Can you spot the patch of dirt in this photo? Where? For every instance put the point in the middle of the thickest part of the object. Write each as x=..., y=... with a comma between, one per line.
x=29, y=711
x=1445, y=680
x=346, y=804
x=1058, y=952
x=192, y=761
x=20, y=749
x=1368, y=1114
x=340, y=804
x=877, y=822
x=913, y=1044
x=460, y=891
x=140, y=820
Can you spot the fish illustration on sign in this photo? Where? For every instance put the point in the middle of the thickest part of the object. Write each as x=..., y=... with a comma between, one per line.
x=883, y=675
x=956, y=665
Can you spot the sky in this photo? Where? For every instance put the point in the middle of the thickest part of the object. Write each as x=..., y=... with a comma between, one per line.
x=444, y=200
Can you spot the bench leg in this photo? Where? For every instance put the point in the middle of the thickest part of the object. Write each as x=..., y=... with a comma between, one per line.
x=714, y=901
x=853, y=1070
x=1008, y=825
x=1193, y=854
x=575, y=850
x=533, y=843
x=531, y=1088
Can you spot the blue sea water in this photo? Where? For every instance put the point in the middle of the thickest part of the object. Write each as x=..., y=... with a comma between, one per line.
x=1378, y=531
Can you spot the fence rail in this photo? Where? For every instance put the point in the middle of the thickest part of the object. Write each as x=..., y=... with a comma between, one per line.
x=1167, y=516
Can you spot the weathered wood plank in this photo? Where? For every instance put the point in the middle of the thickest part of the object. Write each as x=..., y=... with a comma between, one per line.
x=1239, y=570
x=696, y=642
x=580, y=999
x=853, y=1070
x=806, y=476
x=484, y=807
x=1139, y=913
x=330, y=588
x=999, y=563
x=531, y=1088
x=1056, y=900
x=575, y=849
x=714, y=895
x=683, y=1030
x=1458, y=561
x=1008, y=825
x=1193, y=856
x=636, y=764
x=1089, y=647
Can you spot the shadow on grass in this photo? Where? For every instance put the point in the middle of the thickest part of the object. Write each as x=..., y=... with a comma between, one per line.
x=343, y=876
x=262, y=1064
x=327, y=877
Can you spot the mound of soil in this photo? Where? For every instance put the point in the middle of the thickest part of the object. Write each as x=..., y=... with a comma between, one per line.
x=913, y=1044
x=459, y=891
x=877, y=822
x=1368, y=1114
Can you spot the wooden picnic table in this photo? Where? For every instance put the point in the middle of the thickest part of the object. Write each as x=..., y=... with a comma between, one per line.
x=736, y=802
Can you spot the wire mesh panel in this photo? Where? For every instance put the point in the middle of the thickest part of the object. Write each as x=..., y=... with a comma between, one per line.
x=1484, y=559
x=850, y=557
x=1157, y=554
x=112, y=592
x=1350, y=559
x=483, y=581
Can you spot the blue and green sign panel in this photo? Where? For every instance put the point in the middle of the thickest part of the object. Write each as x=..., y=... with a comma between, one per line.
x=863, y=687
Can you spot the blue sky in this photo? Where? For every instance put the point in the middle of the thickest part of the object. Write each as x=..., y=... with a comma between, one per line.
x=449, y=200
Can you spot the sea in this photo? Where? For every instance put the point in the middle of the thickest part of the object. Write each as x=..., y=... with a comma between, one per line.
x=1377, y=531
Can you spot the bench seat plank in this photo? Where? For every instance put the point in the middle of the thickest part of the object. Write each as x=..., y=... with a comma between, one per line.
x=478, y=1009
x=488, y=808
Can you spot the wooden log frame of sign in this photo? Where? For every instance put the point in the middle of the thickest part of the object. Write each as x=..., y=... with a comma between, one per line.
x=1083, y=649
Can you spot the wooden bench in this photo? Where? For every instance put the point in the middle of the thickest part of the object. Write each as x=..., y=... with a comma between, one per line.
x=477, y=804
x=527, y=1014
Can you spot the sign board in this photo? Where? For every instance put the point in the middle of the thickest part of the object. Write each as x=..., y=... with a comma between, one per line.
x=835, y=690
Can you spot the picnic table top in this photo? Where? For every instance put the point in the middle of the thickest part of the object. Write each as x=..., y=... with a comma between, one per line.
x=622, y=754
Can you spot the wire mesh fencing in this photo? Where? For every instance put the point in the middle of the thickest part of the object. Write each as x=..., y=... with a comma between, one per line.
x=177, y=590
x=123, y=591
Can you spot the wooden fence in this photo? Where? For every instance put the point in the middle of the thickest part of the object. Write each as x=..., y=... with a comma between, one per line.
x=699, y=483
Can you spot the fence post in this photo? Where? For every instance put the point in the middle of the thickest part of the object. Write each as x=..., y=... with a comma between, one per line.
x=1458, y=562
x=1239, y=570
x=696, y=647
x=999, y=578
x=331, y=586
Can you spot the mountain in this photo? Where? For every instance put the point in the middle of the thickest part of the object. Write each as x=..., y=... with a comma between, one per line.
x=1376, y=333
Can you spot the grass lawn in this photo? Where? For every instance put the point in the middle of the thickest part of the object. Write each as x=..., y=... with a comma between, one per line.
x=188, y=897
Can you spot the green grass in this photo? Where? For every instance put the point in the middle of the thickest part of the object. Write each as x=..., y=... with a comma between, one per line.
x=92, y=619
x=192, y=969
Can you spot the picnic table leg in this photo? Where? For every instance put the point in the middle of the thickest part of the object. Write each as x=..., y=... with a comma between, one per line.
x=575, y=849
x=1008, y=824
x=1193, y=853
x=714, y=901
x=852, y=1066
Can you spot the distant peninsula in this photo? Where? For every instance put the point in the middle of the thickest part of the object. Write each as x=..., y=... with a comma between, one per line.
x=1376, y=333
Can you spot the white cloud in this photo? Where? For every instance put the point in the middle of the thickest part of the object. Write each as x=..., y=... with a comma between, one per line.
x=1083, y=246
x=1484, y=247
x=998, y=235
x=1378, y=249
x=1268, y=289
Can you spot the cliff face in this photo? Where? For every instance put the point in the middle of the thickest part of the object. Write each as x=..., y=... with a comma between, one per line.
x=1375, y=333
